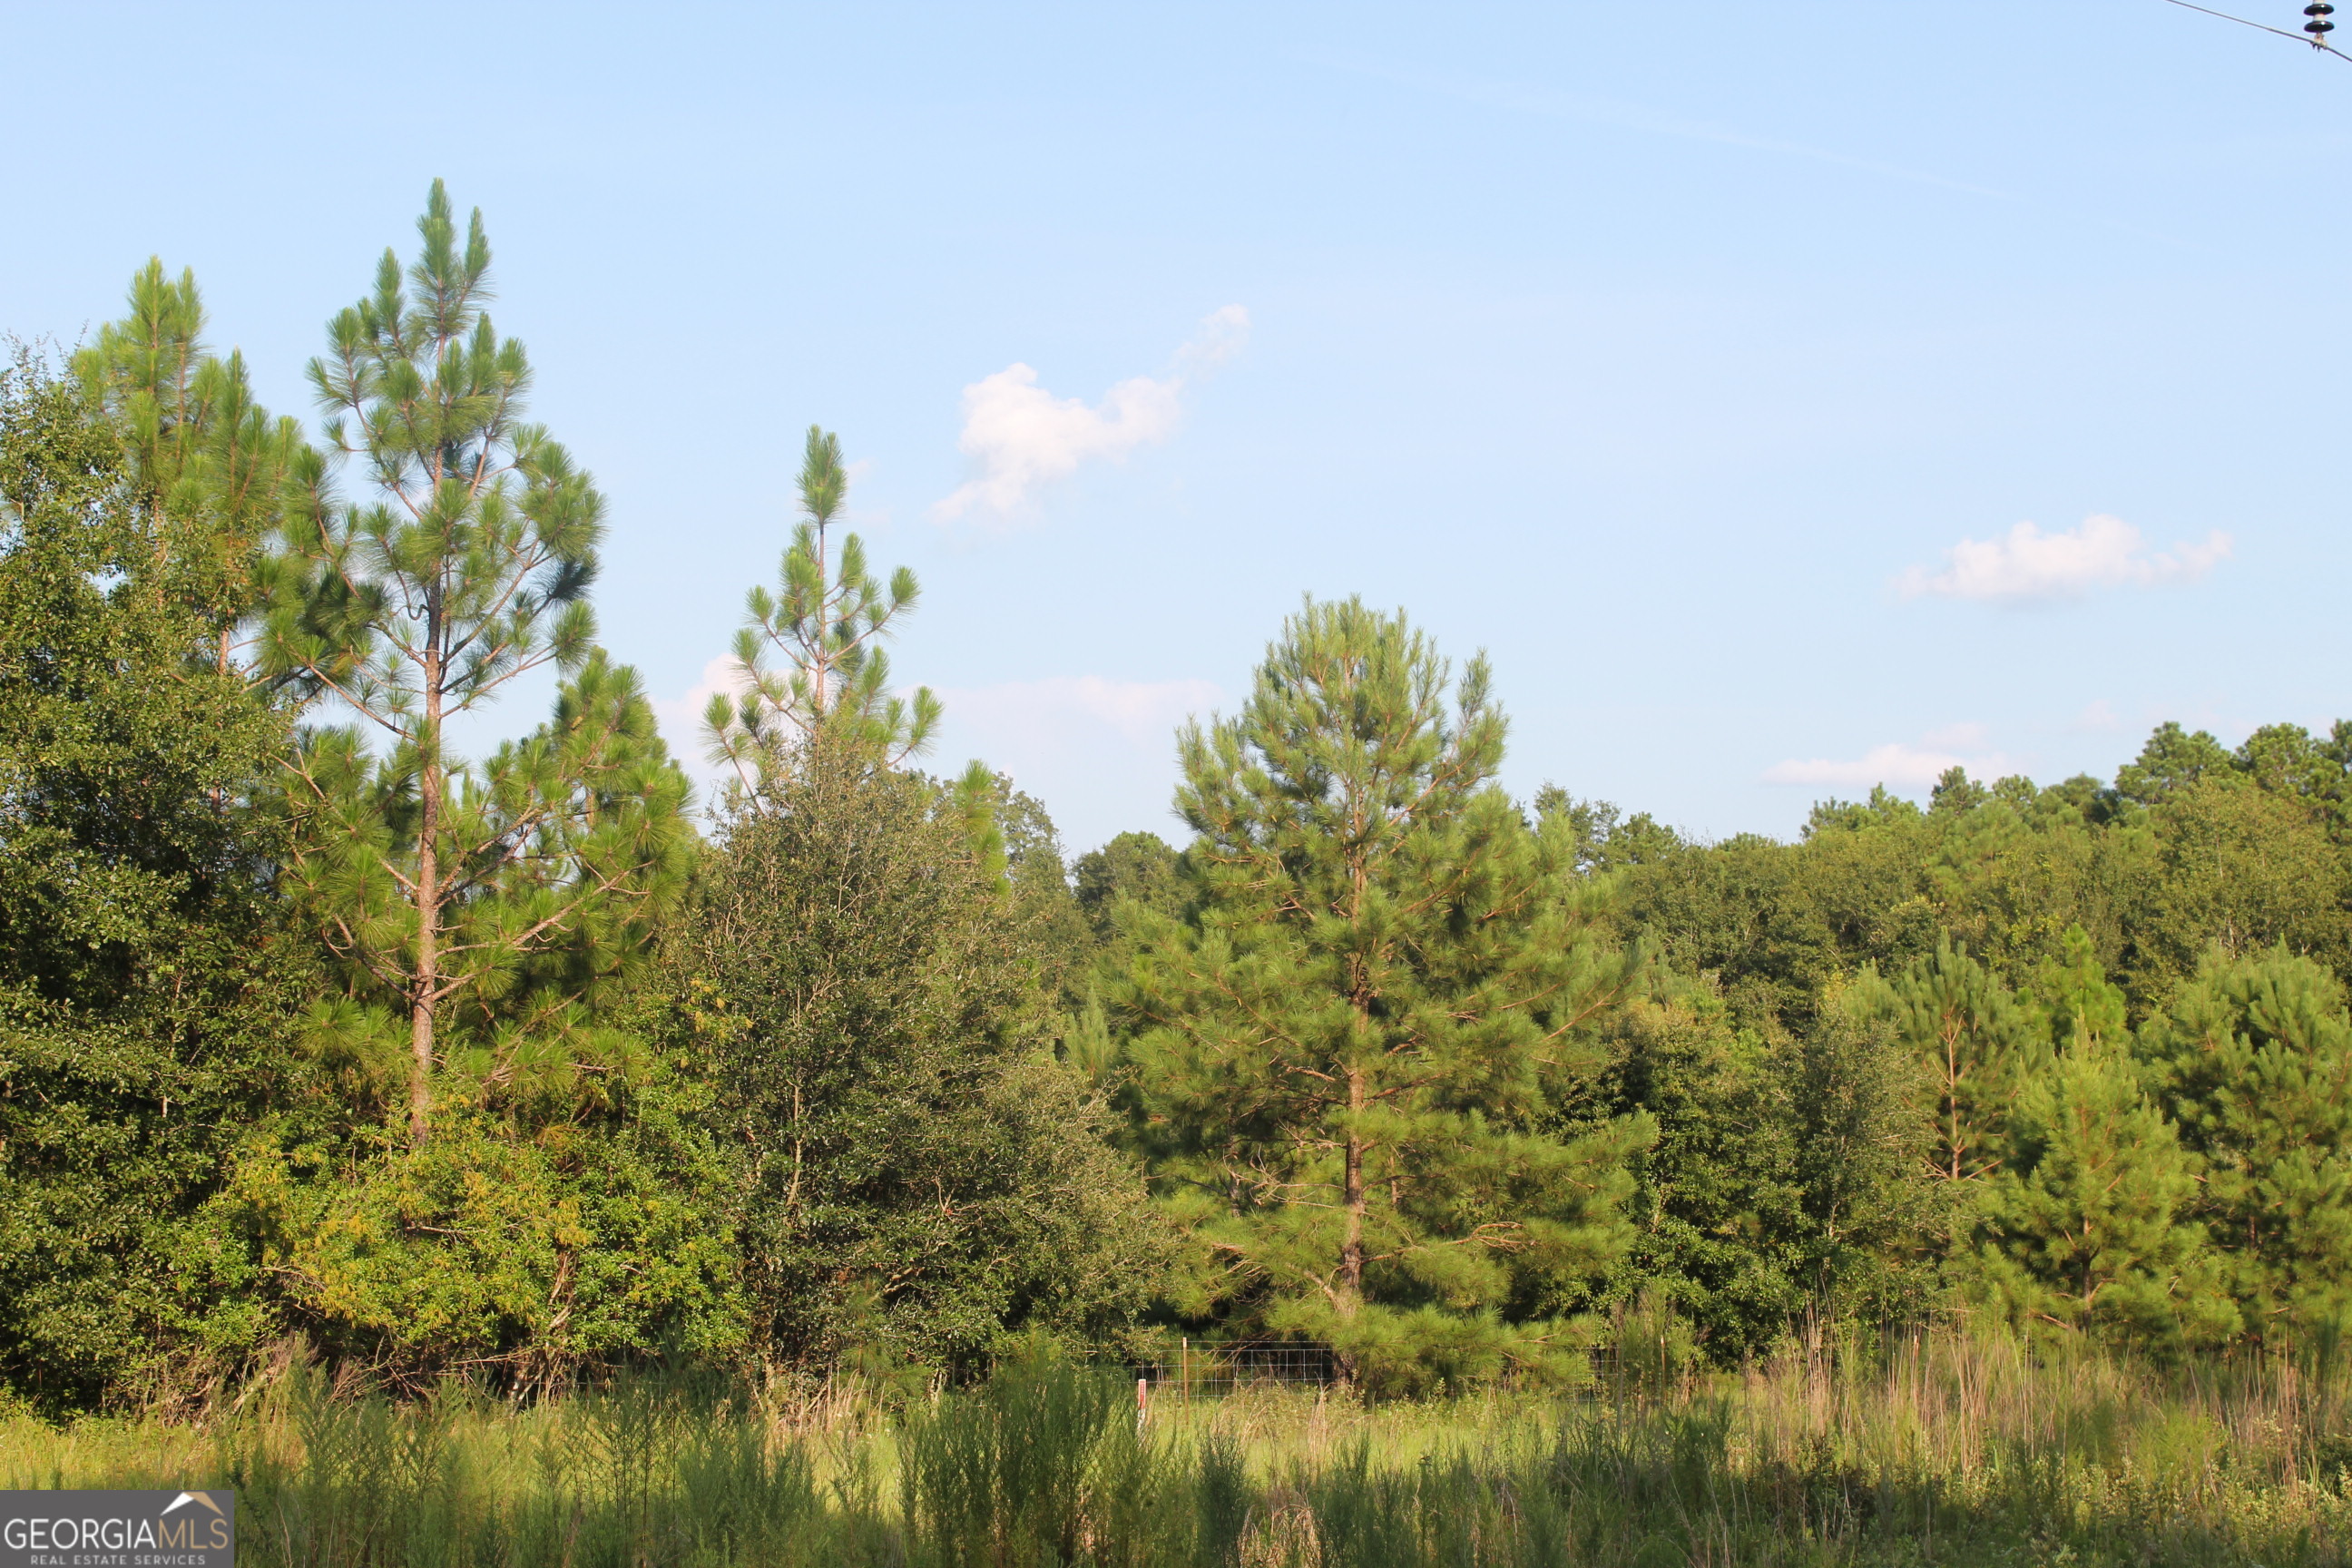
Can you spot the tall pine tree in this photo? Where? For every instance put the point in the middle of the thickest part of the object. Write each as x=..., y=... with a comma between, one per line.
x=1978, y=1049
x=498, y=897
x=1348, y=1055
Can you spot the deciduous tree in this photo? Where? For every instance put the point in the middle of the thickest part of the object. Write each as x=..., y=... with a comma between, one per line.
x=149, y=982
x=922, y=1177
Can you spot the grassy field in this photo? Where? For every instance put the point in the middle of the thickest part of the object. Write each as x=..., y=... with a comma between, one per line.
x=1946, y=1450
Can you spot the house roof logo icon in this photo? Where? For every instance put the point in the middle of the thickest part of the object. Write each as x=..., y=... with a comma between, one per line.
x=203, y=1499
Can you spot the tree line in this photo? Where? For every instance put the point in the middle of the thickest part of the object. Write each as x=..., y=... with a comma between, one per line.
x=511, y=1067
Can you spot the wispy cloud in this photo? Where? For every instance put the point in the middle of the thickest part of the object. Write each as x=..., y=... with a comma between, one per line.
x=680, y=719
x=1022, y=437
x=2027, y=564
x=1101, y=753
x=1069, y=709
x=1064, y=738
x=1900, y=765
x=2098, y=716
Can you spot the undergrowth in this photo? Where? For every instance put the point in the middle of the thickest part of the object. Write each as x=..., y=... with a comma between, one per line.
x=1947, y=1449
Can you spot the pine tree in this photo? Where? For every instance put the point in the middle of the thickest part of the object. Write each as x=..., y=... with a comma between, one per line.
x=1349, y=1054
x=208, y=466
x=1978, y=1048
x=827, y=619
x=2074, y=998
x=2089, y=1227
x=498, y=897
x=2255, y=1061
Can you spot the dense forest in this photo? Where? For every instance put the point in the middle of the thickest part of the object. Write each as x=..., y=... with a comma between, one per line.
x=530, y=1065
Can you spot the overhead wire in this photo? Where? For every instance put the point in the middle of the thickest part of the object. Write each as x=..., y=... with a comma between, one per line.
x=2324, y=49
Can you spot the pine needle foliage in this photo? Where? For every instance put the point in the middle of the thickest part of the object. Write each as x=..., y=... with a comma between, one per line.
x=826, y=621
x=2255, y=1059
x=1976, y=1046
x=494, y=896
x=207, y=464
x=1347, y=1058
x=2090, y=1227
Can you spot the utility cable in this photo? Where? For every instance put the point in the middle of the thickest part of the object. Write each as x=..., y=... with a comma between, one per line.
x=2323, y=47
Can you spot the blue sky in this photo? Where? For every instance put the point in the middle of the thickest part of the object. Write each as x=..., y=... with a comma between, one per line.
x=1700, y=363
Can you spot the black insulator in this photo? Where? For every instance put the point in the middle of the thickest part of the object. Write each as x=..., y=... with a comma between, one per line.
x=2319, y=8
x=2317, y=28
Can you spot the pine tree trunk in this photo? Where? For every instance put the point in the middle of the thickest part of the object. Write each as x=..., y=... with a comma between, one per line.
x=1351, y=1253
x=824, y=660
x=1952, y=1090
x=428, y=907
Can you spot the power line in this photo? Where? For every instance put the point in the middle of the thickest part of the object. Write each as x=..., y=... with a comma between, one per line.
x=2320, y=44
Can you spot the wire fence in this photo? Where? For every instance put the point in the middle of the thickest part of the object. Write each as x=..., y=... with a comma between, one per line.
x=1214, y=1371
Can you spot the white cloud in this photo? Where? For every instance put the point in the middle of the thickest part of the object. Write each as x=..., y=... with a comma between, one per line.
x=680, y=718
x=1900, y=766
x=2027, y=564
x=1022, y=437
x=1224, y=333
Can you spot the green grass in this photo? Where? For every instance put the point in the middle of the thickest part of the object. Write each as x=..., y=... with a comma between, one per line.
x=1948, y=1450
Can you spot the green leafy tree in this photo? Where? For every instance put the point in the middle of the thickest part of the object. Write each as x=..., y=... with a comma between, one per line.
x=1854, y=1085
x=1348, y=1057
x=598, y=1239
x=2255, y=1059
x=922, y=1178
x=2241, y=866
x=827, y=620
x=1136, y=867
x=500, y=897
x=1606, y=838
x=1717, y=1209
x=1777, y=925
x=149, y=984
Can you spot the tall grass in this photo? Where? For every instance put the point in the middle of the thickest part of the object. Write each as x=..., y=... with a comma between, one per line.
x=1945, y=1450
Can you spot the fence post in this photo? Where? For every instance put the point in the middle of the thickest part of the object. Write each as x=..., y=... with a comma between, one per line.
x=1142, y=1401
x=1183, y=1369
